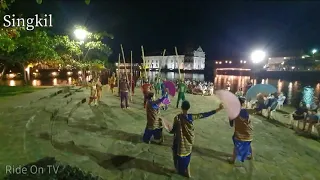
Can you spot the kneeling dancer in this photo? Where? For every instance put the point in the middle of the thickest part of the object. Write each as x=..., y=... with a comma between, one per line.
x=183, y=130
x=154, y=123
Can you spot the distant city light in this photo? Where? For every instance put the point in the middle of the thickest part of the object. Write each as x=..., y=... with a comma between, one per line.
x=244, y=62
x=69, y=73
x=217, y=62
x=230, y=62
x=226, y=61
x=220, y=62
x=54, y=73
x=293, y=67
x=258, y=56
x=37, y=70
x=314, y=51
x=241, y=61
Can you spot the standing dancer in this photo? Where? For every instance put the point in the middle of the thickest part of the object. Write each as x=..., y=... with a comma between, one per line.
x=146, y=88
x=124, y=92
x=181, y=90
x=99, y=89
x=157, y=86
x=242, y=136
x=154, y=123
x=112, y=82
x=93, y=92
x=183, y=130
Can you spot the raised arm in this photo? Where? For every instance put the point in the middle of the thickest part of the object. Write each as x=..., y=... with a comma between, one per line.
x=158, y=101
x=205, y=114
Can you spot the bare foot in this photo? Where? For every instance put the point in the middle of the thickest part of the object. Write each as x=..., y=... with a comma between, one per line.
x=230, y=160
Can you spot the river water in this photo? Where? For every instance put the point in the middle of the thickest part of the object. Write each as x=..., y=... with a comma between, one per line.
x=291, y=89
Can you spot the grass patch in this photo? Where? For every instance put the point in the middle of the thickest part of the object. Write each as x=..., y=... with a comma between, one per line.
x=16, y=90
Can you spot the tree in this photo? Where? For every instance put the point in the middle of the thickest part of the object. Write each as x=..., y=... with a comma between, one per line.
x=32, y=48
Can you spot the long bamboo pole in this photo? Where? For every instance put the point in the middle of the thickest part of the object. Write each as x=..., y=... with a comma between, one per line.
x=163, y=55
x=176, y=50
x=125, y=67
x=144, y=62
x=131, y=79
x=118, y=78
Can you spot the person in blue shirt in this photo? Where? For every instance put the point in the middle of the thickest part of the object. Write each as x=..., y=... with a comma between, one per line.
x=183, y=130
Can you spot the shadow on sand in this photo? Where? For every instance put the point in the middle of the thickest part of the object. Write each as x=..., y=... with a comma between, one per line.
x=114, y=162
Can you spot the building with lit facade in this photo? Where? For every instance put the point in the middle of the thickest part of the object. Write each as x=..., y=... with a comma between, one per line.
x=193, y=61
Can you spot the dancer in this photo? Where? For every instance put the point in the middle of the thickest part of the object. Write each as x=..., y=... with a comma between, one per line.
x=93, y=92
x=146, y=88
x=242, y=136
x=157, y=85
x=99, y=89
x=124, y=91
x=154, y=123
x=181, y=90
x=183, y=130
x=112, y=82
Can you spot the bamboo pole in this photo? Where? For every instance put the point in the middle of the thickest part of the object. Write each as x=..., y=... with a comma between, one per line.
x=118, y=78
x=176, y=50
x=124, y=62
x=144, y=62
x=163, y=54
x=131, y=72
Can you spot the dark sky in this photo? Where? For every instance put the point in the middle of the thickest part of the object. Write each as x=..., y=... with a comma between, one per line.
x=223, y=29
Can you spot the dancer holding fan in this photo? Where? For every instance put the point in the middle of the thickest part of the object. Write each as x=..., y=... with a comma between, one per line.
x=183, y=130
x=242, y=136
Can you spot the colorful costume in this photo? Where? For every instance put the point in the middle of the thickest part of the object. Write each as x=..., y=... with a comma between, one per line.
x=182, y=89
x=112, y=83
x=242, y=135
x=154, y=123
x=183, y=130
x=145, y=90
x=124, y=91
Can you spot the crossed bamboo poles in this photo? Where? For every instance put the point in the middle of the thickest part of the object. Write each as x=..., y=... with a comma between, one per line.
x=144, y=66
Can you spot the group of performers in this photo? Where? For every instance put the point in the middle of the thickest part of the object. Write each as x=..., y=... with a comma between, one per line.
x=182, y=127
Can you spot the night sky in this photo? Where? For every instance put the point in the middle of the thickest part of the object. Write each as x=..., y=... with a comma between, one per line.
x=223, y=29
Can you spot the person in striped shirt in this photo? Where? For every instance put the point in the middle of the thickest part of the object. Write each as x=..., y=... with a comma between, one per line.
x=183, y=130
x=154, y=123
x=242, y=136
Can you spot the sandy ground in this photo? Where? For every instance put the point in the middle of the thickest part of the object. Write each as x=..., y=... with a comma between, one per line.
x=106, y=140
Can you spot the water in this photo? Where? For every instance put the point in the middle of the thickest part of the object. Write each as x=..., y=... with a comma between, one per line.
x=291, y=89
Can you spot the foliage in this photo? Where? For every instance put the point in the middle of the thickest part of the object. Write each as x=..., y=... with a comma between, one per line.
x=30, y=47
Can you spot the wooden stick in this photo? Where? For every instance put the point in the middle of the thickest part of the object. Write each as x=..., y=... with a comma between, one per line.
x=131, y=79
x=144, y=63
x=118, y=78
x=176, y=50
x=163, y=54
x=124, y=62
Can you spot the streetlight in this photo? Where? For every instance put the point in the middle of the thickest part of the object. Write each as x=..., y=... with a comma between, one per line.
x=314, y=51
x=81, y=34
x=258, y=56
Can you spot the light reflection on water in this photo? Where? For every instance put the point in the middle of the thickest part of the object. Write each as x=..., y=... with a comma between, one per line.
x=290, y=89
